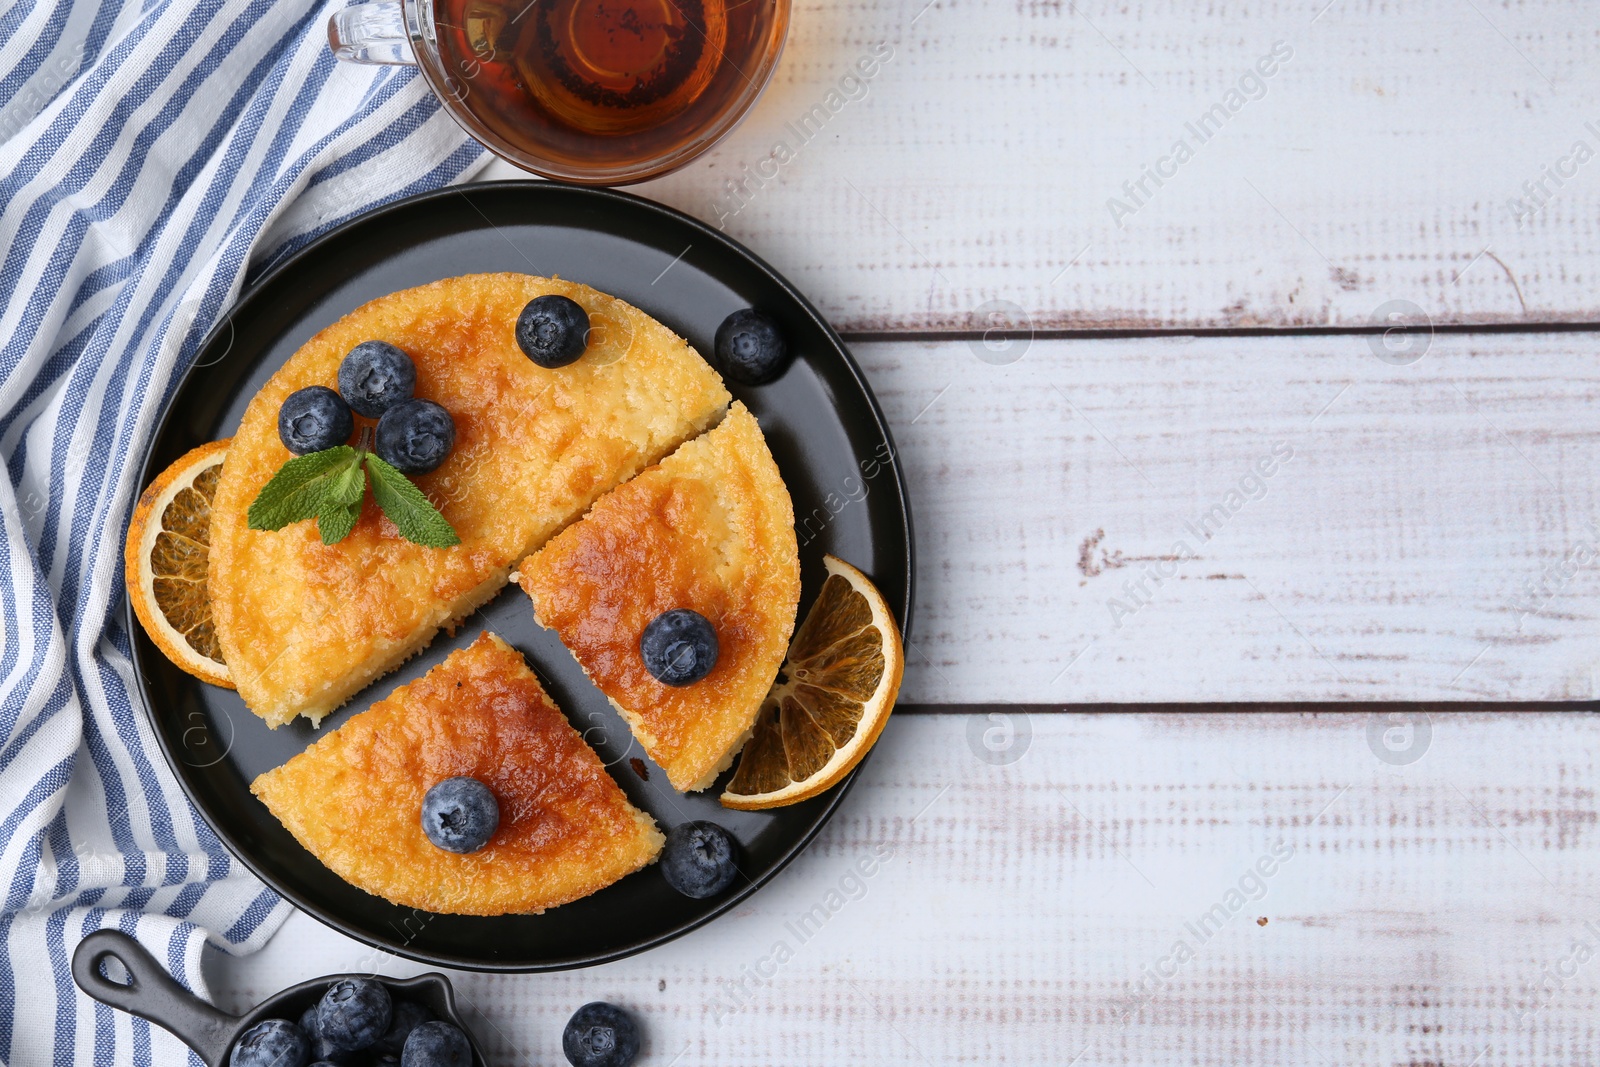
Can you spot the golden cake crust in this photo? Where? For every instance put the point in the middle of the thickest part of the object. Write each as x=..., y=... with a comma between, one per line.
x=710, y=528
x=303, y=626
x=354, y=799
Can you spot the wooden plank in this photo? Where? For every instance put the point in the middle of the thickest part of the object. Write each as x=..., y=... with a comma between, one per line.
x=1347, y=892
x=976, y=164
x=1426, y=532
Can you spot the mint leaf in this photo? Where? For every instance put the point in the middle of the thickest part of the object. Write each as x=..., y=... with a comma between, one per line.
x=348, y=486
x=335, y=521
x=300, y=488
x=411, y=512
x=342, y=507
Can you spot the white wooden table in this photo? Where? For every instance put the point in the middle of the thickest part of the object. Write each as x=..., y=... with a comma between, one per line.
x=1084, y=393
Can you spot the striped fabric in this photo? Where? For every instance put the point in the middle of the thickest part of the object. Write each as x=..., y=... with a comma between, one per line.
x=152, y=154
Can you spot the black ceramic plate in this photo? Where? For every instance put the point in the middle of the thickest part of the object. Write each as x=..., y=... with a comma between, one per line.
x=825, y=429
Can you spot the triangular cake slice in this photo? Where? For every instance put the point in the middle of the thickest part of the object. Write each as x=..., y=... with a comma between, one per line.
x=711, y=528
x=303, y=626
x=354, y=799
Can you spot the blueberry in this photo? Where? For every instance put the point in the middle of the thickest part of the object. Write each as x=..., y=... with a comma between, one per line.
x=408, y=1015
x=353, y=1014
x=272, y=1043
x=698, y=860
x=437, y=1044
x=415, y=436
x=600, y=1035
x=321, y=1050
x=314, y=418
x=553, y=331
x=679, y=647
x=376, y=376
x=750, y=348
x=460, y=814
x=387, y=1059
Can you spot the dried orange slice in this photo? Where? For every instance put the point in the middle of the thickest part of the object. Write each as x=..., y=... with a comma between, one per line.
x=165, y=561
x=831, y=700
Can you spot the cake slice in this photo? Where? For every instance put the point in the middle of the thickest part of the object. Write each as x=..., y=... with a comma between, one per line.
x=711, y=529
x=354, y=799
x=303, y=626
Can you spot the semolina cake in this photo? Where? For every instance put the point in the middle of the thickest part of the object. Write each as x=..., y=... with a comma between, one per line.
x=354, y=798
x=303, y=625
x=710, y=529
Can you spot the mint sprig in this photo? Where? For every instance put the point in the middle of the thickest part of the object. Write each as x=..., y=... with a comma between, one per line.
x=330, y=486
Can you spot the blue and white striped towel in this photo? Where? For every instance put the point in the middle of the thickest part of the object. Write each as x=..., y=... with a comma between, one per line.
x=152, y=153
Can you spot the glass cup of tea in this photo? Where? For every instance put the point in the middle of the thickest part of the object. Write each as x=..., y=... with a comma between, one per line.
x=603, y=92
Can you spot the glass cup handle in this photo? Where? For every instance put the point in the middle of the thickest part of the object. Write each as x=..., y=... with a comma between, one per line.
x=372, y=34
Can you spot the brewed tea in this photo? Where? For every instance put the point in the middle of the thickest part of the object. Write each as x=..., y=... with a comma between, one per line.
x=607, y=82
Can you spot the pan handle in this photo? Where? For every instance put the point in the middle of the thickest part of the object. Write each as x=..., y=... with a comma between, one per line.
x=150, y=993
